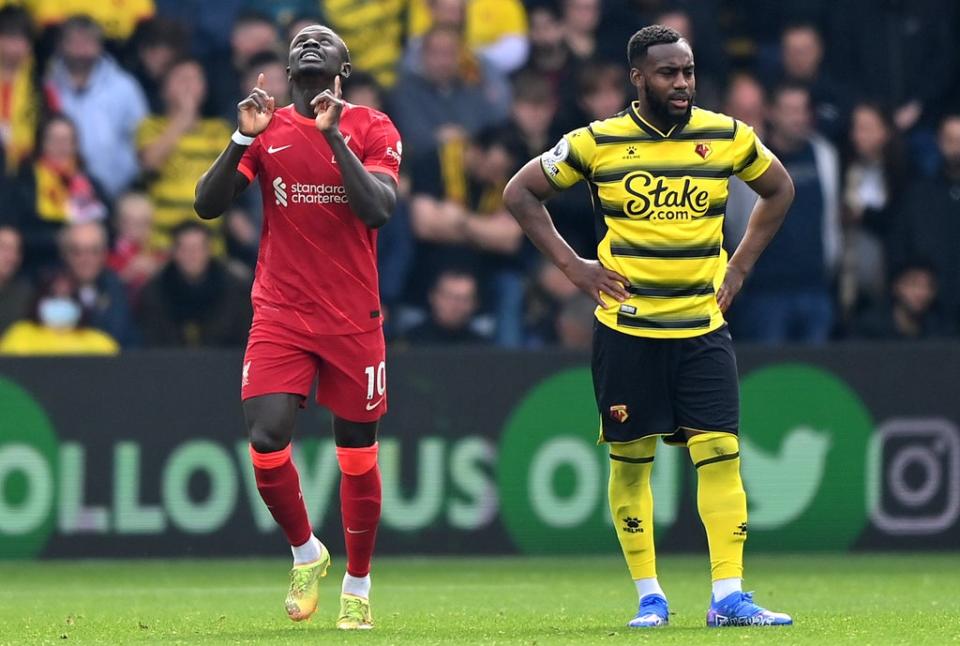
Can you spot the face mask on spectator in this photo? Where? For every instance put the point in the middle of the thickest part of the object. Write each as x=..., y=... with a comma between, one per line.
x=59, y=312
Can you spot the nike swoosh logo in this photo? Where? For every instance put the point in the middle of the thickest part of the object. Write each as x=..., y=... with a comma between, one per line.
x=272, y=150
x=373, y=405
x=357, y=531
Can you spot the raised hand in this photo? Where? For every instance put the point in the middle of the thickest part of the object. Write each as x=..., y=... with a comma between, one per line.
x=328, y=106
x=594, y=279
x=255, y=112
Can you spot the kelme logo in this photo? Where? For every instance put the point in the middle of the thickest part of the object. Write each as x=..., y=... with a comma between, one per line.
x=28, y=458
x=804, y=437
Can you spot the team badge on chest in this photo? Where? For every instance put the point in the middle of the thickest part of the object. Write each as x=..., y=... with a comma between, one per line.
x=703, y=150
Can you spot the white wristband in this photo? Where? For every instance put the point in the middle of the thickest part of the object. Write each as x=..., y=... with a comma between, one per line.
x=241, y=139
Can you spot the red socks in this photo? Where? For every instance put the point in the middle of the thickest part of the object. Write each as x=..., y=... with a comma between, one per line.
x=279, y=486
x=360, y=502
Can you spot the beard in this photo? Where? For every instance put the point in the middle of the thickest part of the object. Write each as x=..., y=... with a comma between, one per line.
x=661, y=109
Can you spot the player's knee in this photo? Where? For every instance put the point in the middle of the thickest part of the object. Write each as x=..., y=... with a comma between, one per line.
x=358, y=435
x=715, y=443
x=268, y=438
x=643, y=449
x=359, y=460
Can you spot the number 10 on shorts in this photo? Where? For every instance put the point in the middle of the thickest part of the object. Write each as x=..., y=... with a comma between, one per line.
x=376, y=377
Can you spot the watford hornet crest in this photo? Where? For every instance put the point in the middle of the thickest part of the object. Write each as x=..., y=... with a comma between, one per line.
x=619, y=413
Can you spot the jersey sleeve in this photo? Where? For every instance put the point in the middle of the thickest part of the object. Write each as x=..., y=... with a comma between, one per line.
x=382, y=149
x=570, y=160
x=250, y=162
x=750, y=157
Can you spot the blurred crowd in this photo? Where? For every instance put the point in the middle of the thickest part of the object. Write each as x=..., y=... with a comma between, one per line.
x=110, y=111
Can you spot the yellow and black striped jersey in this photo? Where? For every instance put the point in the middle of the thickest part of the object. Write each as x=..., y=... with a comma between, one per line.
x=659, y=201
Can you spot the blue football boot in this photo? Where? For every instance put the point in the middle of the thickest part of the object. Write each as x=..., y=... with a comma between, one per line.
x=653, y=612
x=738, y=609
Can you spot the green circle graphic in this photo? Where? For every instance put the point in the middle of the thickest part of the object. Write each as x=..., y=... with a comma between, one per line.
x=550, y=472
x=25, y=431
x=804, y=437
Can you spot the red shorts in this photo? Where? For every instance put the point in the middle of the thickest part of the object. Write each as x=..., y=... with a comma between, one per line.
x=350, y=369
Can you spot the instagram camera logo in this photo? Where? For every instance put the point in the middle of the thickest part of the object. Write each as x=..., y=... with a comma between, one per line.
x=915, y=476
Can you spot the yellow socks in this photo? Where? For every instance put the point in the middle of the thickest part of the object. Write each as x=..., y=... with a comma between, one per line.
x=631, y=503
x=721, y=500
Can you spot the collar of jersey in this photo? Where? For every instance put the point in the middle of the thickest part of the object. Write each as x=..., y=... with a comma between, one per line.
x=649, y=128
x=307, y=121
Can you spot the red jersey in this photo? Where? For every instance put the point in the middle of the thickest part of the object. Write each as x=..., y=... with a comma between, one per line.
x=317, y=265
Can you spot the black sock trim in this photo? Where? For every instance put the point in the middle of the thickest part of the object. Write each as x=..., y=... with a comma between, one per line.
x=719, y=458
x=624, y=458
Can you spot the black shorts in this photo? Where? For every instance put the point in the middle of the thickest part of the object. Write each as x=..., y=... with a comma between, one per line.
x=658, y=386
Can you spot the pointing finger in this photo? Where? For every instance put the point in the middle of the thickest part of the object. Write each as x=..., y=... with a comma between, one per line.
x=260, y=80
x=325, y=95
x=259, y=102
x=336, y=86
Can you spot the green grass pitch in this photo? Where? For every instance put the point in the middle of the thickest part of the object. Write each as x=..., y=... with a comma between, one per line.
x=840, y=599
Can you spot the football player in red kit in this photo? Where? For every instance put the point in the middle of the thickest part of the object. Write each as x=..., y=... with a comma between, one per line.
x=328, y=175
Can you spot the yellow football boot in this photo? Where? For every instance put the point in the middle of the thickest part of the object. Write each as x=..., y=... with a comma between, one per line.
x=354, y=613
x=305, y=587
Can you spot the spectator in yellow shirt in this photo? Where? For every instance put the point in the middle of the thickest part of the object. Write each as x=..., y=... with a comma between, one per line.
x=495, y=30
x=53, y=191
x=374, y=30
x=23, y=100
x=57, y=327
x=176, y=148
x=117, y=18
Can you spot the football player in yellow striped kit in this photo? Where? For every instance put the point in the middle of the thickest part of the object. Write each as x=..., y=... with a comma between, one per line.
x=663, y=360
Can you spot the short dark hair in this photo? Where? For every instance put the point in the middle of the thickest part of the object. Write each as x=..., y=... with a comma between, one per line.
x=647, y=37
x=81, y=22
x=189, y=226
x=786, y=87
x=15, y=21
x=365, y=79
x=594, y=75
x=159, y=32
x=262, y=59
x=493, y=136
x=547, y=7
x=455, y=271
x=532, y=87
x=437, y=30
x=179, y=61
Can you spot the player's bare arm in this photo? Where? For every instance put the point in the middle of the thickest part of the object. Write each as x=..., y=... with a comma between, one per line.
x=775, y=189
x=524, y=197
x=372, y=195
x=222, y=182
